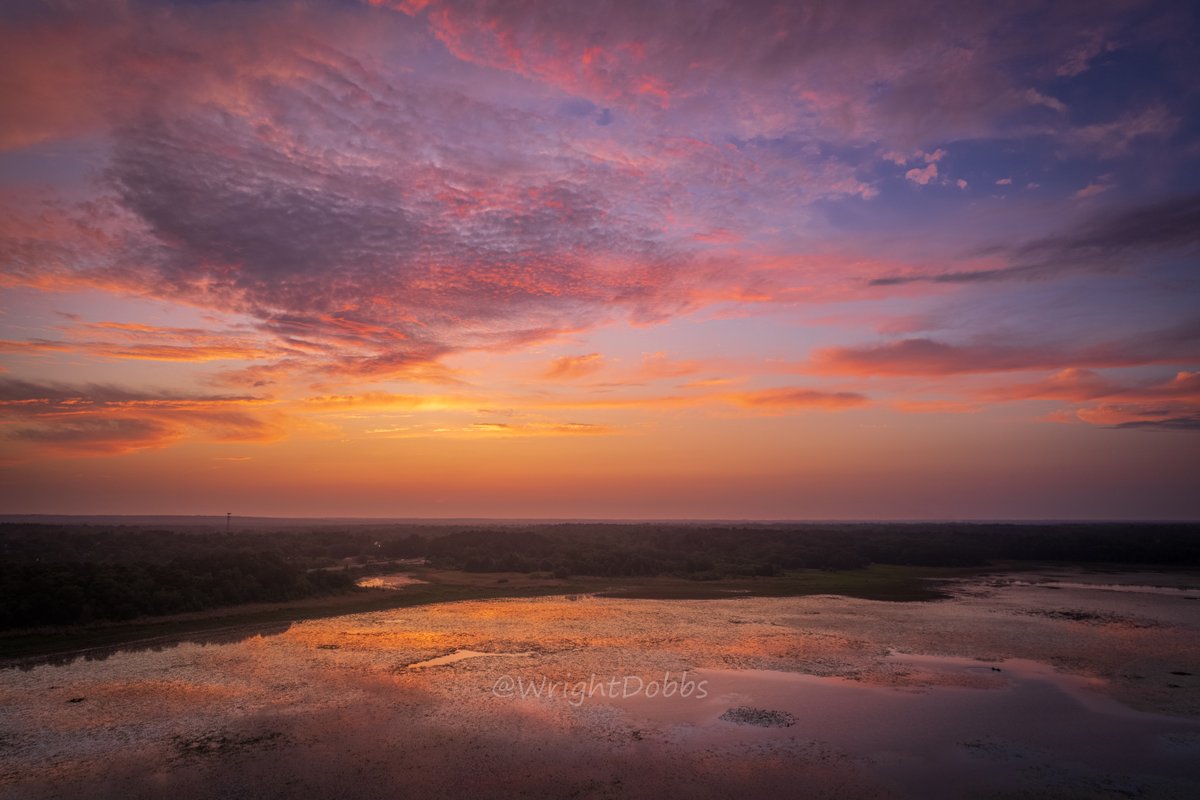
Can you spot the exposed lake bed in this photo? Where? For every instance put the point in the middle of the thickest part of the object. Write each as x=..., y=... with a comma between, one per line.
x=1065, y=684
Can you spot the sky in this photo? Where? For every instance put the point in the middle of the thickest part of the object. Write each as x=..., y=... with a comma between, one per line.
x=704, y=259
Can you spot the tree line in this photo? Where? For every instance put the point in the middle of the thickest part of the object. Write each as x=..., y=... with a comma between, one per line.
x=76, y=574
x=714, y=552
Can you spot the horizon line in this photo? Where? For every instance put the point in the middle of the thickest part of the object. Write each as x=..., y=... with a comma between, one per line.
x=16, y=518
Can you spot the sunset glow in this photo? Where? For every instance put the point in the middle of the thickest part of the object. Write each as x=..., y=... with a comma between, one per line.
x=600, y=260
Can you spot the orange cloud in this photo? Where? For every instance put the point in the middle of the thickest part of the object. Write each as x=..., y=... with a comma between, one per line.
x=934, y=407
x=1164, y=405
x=661, y=365
x=385, y=401
x=140, y=352
x=107, y=420
x=1080, y=385
x=709, y=383
x=572, y=367
x=525, y=429
x=789, y=399
x=1074, y=384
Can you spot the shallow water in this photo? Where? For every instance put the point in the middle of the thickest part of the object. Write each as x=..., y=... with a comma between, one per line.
x=461, y=655
x=1008, y=689
x=388, y=581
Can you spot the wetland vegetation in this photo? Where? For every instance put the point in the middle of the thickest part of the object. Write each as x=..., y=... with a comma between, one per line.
x=67, y=587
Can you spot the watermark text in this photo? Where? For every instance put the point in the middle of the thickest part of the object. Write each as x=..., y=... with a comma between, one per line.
x=575, y=692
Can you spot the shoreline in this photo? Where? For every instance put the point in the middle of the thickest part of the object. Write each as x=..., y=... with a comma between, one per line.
x=843, y=697
x=884, y=583
x=29, y=647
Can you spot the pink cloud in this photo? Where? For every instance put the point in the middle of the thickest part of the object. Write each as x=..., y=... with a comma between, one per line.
x=923, y=175
x=1115, y=137
x=791, y=399
x=935, y=407
x=1093, y=189
x=1078, y=59
x=1155, y=404
x=1073, y=383
x=656, y=366
x=837, y=67
x=573, y=367
x=1034, y=97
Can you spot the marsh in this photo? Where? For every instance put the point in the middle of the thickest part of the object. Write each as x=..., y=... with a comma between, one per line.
x=1065, y=683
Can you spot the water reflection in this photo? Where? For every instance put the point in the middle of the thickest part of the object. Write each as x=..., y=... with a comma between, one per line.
x=396, y=581
x=157, y=644
x=876, y=696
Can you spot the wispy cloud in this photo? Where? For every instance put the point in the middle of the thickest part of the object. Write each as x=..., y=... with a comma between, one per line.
x=921, y=356
x=103, y=419
x=572, y=367
x=340, y=223
x=1109, y=239
x=1146, y=404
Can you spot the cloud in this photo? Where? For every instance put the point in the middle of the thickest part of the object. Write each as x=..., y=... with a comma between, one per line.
x=388, y=401
x=100, y=419
x=1108, y=239
x=374, y=226
x=100, y=436
x=656, y=366
x=923, y=175
x=709, y=396
x=1142, y=416
x=521, y=429
x=922, y=356
x=1078, y=59
x=1079, y=385
x=370, y=192
x=1153, y=404
x=343, y=251
x=709, y=383
x=867, y=72
x=1036, y=98
x=572, y=367
x=15, y=393
x=148, y=343
x=372, y=222
x=1171, y=223
x=935, y=407
x=1093, y=189
x=1004, y=182
x=1116, y=137
x=378, y=204
x=1073, y=383
x=792, y=399
x=1191, y=423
